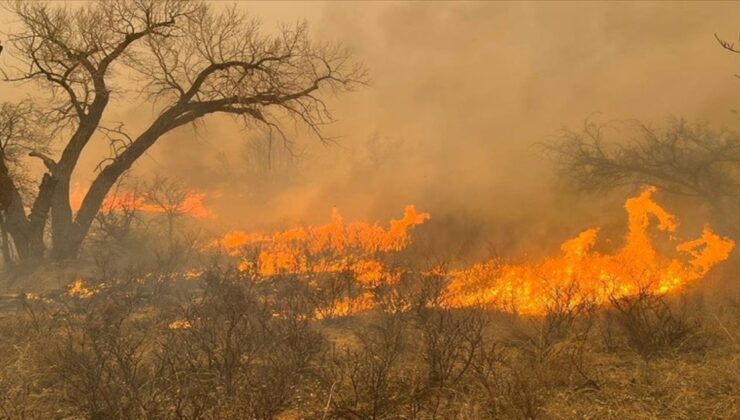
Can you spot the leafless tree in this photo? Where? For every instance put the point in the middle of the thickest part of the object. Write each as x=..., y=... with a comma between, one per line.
x=189, y=59
x=169, y=197
x=172, y=200
x=266, y=160
x=684, y=159
x=117, y=219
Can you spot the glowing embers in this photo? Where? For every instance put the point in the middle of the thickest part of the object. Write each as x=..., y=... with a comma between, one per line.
x=79, y=290
x=583, y=275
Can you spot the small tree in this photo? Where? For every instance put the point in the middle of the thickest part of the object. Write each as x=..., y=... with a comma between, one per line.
x=170, y=198
x=682, y=158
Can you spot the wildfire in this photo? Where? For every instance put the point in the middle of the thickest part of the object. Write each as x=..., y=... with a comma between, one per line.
x=334, y=247
x=192, y=204
x=581, y=274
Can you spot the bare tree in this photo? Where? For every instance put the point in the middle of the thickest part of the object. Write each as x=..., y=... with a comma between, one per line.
x=264, y=159
x=683, y=159
x=169, y=197
x=172, y=200
x=189, y=59
x=690, y=160
x=117, y=218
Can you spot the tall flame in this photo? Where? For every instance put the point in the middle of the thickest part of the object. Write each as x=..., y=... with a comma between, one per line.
x=578, y=275
x=581, y=274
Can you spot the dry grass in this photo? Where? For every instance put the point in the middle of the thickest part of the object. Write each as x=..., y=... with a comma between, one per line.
x=252, y=350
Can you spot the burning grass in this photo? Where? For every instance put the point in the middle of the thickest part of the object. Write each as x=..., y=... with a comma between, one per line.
x=317, y=322
x=334, y=247
x=579, y=275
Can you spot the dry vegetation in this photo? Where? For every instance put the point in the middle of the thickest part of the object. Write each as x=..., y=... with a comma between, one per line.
x=226, y=346
x=165, y=339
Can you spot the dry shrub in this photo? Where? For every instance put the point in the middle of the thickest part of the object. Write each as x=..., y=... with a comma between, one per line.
x=238, y=350
x=243, y=352
x=98, y=355
x=23, y=378
x=556, y=342
x=325, y=290
x=368, y=380
x=430, y=362
x=251, y=348
x=651, y=325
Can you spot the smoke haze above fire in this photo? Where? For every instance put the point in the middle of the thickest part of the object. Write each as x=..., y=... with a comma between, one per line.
x=461, y=93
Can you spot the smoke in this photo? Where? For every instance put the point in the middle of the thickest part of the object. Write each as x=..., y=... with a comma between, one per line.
x=461, y=95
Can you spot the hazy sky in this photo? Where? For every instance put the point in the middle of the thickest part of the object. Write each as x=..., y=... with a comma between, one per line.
x=460, y=93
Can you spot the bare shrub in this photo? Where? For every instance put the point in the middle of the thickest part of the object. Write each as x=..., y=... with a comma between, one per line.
x=450, y=341
x=652, y=327
x=327, y=290
x=233, y=346
x=415, y=293
x=98, y=356
x=238, y=351
x=22, y=374
x=367, y=380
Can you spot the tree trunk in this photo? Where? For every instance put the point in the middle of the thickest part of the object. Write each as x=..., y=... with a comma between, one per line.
x=66, y=237
x=27, y=238
x=73, y=232
x=7, y=258
x=68, y=246
x=63, y=233
x=16, y=224
x=68, y=234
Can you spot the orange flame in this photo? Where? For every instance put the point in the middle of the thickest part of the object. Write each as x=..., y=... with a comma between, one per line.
x=179, y=325
x=334, y=247
x=579, y=275
x=582, y=274
x=78, y=289
x=192, y=205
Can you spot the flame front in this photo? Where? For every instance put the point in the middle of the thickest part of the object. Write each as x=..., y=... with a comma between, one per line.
x=577, y=276
x=582, y=275
x=334, y=247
